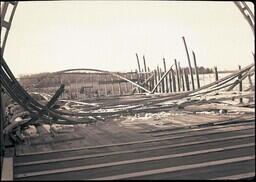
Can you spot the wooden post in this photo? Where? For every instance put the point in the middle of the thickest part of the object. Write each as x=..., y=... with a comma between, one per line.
x=119, y=87
x=170, y=81
x=76, y=90
x=196, y=70
x=186, y=80
x=92, y=84
x=181, y=76
x=162, y=82
x=177, y=73
x=189, y=64
x=240, y=84
x=126, y=86
x=216, y=73
x=139, y=72
x=138, y=61
x=112, y=85
x=132, y=80
x=150, y=82
x=166, y=80
x=141, y=78
x=105, y=85
x=155, y=78
x=158, y=78
x=98, y=84
x=173, y=81
x=137, y=78
x=145, y=68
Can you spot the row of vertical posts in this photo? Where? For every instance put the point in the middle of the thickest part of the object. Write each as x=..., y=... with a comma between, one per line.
x=177, y=80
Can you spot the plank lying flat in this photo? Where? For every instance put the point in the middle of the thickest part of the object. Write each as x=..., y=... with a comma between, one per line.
x=113, y=151
x=178, y=168
x=144, y=154
x=204, y=173
x=47, y=172
x=105, y=154
x=131, y=143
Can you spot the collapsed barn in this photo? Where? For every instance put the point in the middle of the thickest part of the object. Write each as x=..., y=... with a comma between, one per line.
x=31, y=117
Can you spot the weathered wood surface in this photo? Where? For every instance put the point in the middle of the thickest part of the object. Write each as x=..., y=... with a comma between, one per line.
x=7, y=170
x=123, y=150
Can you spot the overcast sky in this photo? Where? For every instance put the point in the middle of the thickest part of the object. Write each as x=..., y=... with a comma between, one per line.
x=50, y=36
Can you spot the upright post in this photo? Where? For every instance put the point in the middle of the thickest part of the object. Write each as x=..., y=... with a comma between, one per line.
x=240, y=85
x=119, y=86
x=150, y=81
x=158, y=78
x=162, y=82
x=196, y=70
x=177, y=73
x=132, y=80
x=139, y=71
x=181, y=76
x=145, y=68
x=186, y=80
x=112, y=85
x=105, y=85
x=138, y=79
x=173, y=81
x=216, y=73
x=155, y=79
x=170, y=81
x=189, y=64
x=166, y=79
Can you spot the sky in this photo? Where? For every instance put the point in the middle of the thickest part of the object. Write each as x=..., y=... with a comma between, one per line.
x=50, y=36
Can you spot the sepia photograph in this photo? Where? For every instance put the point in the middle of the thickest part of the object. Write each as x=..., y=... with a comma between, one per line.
x=127, y=90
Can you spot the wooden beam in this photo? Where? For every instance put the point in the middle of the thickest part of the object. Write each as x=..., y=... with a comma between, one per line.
x=177, y=73
x=158, y=78
x=89, y=156
x=178, y=168
x=139, y=71
x=145, y=68
x=162, y=82
x=173, y=81
x=216, y=73
x=166, y=80
x=181, y=76
x=240, y=84
x=170, y=81
x=125, y=143
x=186, y=80
x=196, y=70
x=189, y=64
